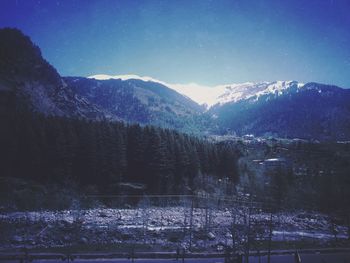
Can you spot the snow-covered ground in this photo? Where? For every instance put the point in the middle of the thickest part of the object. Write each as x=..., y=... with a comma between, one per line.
x=162, y=226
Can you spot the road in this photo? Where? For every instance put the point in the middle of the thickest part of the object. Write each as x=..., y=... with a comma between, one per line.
x=305, y=258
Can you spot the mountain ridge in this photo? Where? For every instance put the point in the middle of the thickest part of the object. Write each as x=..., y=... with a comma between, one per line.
x=280, y=108
x=218, y=94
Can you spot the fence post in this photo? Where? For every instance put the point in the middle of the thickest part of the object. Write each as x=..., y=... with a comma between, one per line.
x=270, y=238
x=248, y=234
x=132, y=255
x=297, y=258
x=348, y=223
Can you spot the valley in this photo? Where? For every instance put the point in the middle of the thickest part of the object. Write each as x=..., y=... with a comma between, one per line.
x=128, y=161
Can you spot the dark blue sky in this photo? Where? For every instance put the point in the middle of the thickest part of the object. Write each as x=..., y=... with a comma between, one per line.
x=207, y=42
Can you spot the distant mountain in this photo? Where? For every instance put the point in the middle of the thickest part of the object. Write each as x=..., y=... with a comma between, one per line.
x=236, y=92
x=281, y=108
x=222, y=94
x=136, y=100
x=311, y=111
x=202, y=95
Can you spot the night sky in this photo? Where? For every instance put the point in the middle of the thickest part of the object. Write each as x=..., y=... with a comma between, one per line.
x=206, y=42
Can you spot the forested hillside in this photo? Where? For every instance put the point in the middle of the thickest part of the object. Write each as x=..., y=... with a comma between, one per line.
x=103, y=155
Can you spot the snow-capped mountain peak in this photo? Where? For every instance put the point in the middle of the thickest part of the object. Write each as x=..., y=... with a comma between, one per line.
x=236, y=92
x=223, y=94
x=123, y=77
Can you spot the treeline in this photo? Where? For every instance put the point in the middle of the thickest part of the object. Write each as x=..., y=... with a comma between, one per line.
x=105, y=155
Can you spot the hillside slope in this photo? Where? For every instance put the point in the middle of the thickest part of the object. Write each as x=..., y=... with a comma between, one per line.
x=313, y=111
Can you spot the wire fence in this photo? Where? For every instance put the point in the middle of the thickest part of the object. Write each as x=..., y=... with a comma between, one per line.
x=191, y=223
